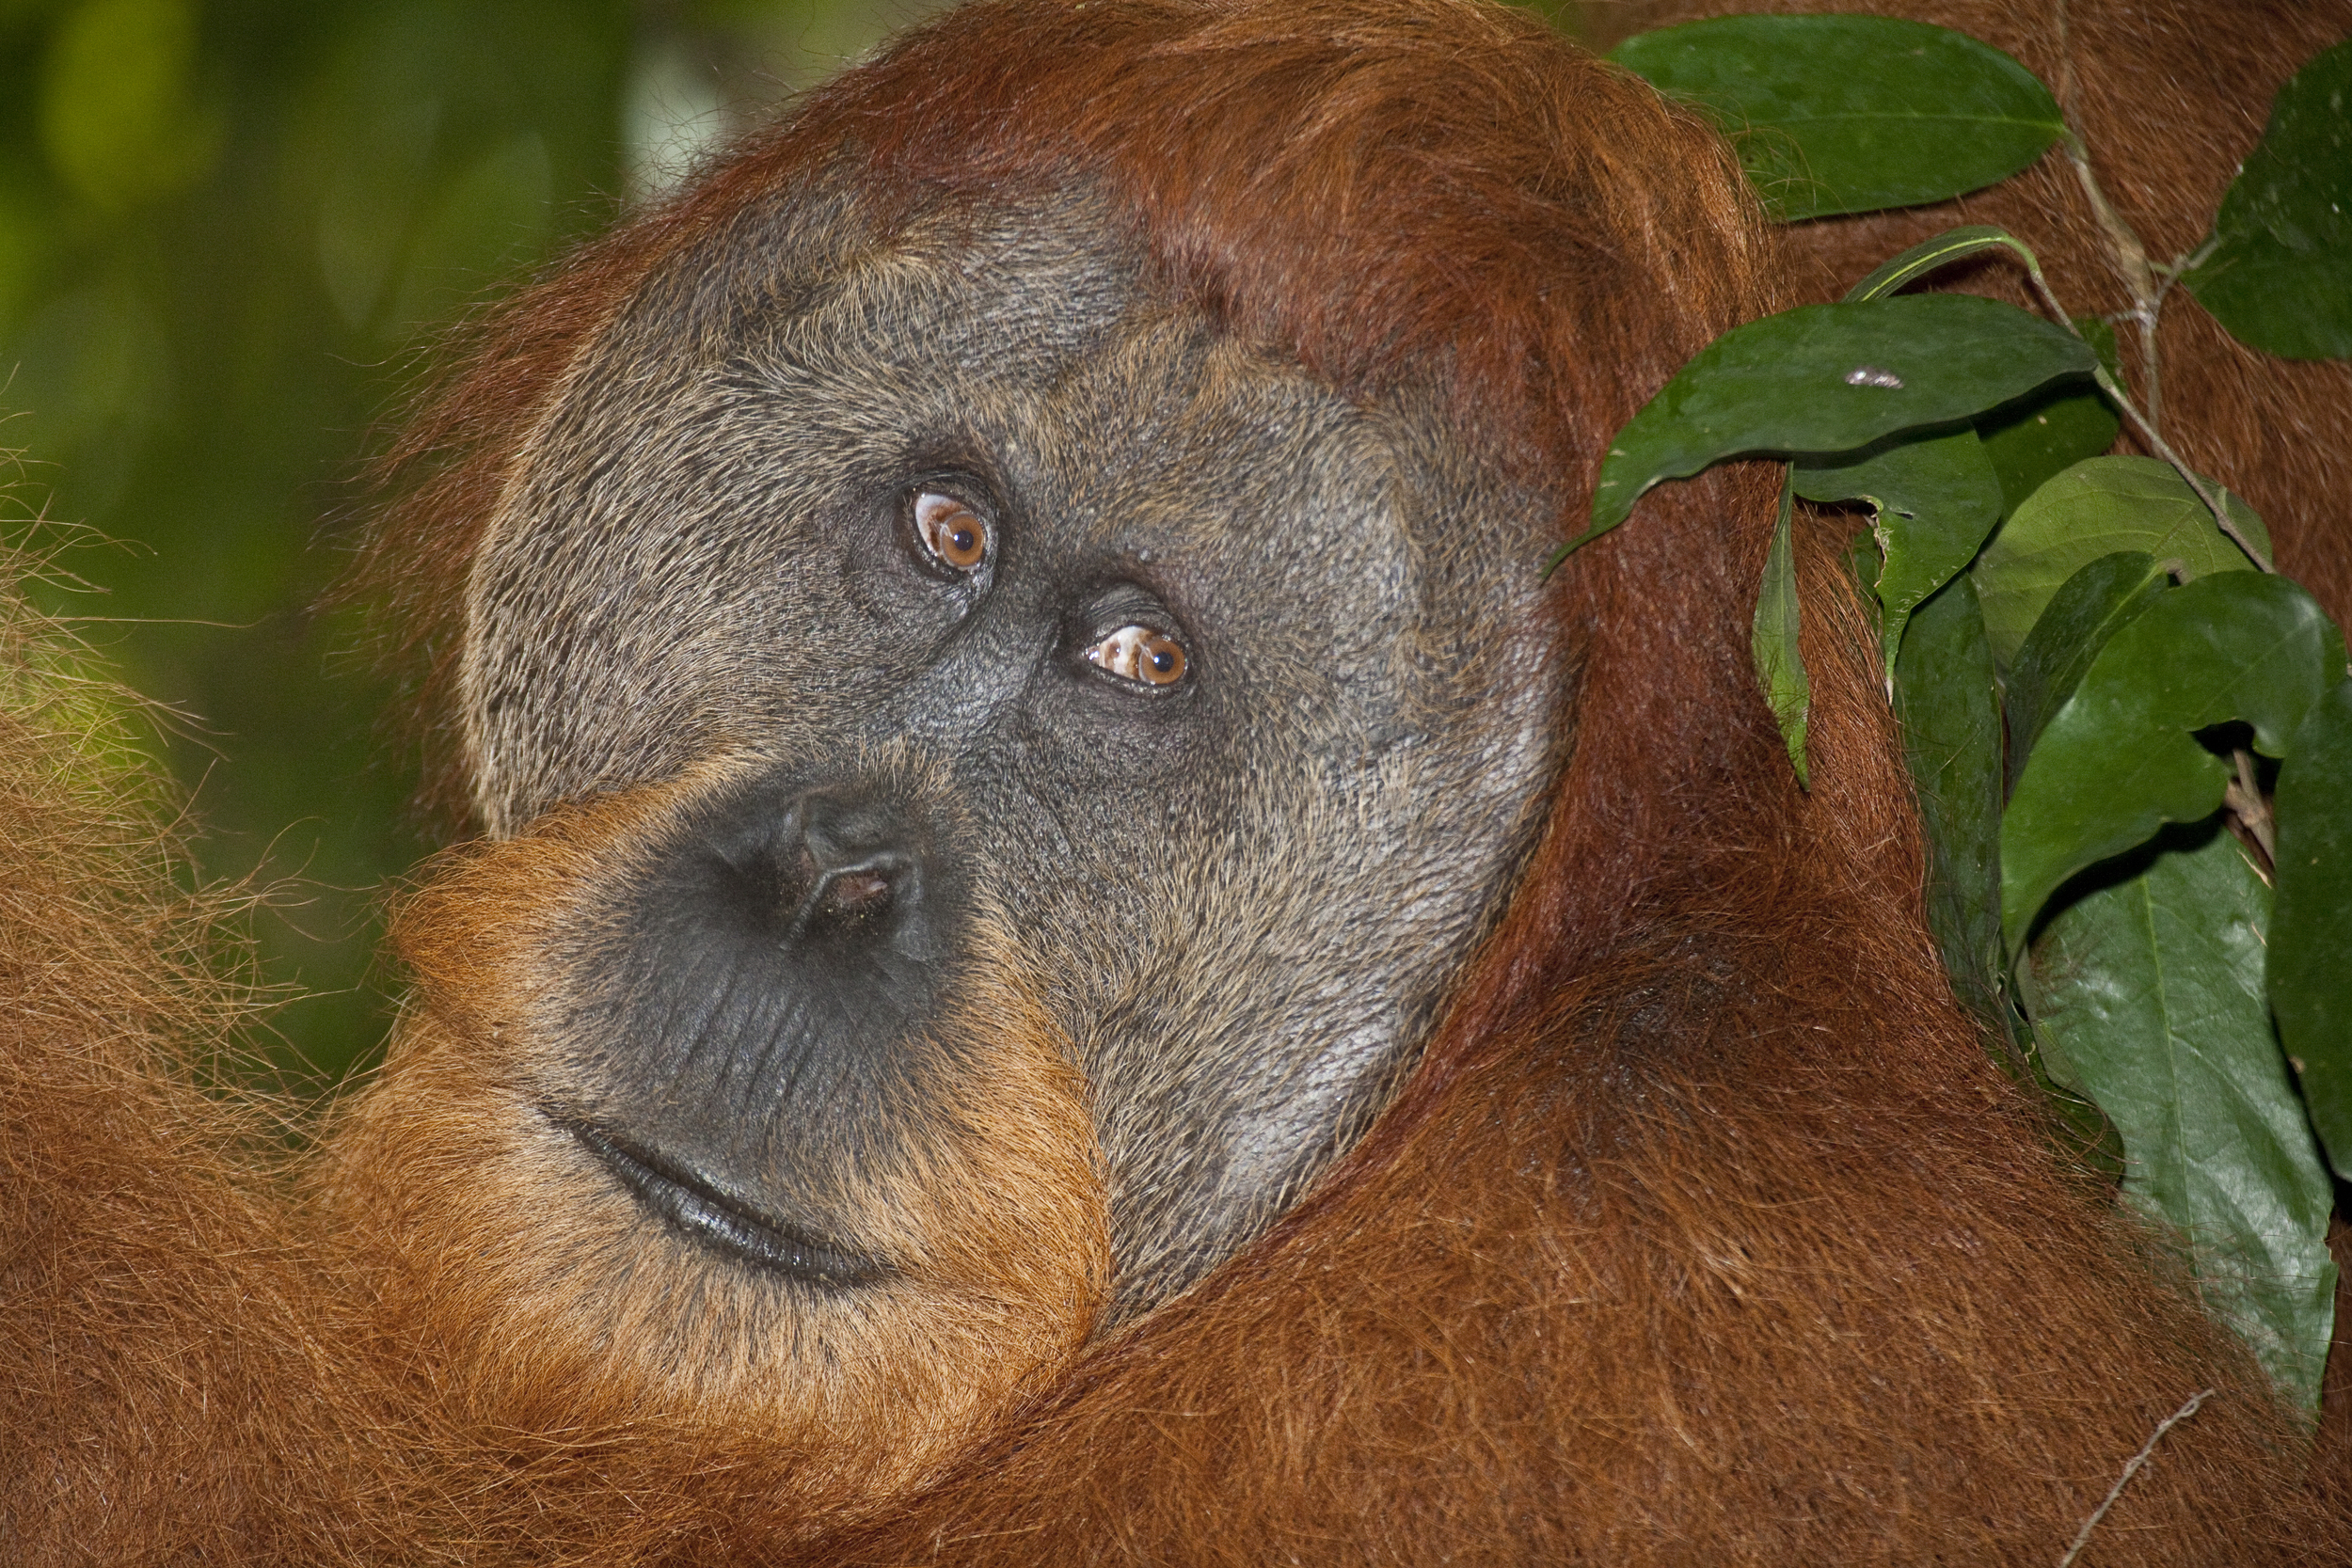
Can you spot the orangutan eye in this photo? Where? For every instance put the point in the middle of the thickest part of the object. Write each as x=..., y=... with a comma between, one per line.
x=1142, y=655
x=951, y=531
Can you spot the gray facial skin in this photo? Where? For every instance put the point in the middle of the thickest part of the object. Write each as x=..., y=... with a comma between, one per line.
x=1246, y=888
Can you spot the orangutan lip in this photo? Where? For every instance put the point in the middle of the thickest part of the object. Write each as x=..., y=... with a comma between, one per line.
x=693, y=1205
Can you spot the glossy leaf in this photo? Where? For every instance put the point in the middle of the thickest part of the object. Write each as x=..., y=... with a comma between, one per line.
x=1830, y=379
x=2096, y=508
x=1846, y=114
x=1934, y=501
x=1951, y=246
x=2089, y=608
x=1862, y=561
x=2100, y=336
x=2278, y=271
x=1948, y=701
x=2031, y=442
x=1779, y=662
x=2310, y=943
x=2121, y=757
x=2148, y=991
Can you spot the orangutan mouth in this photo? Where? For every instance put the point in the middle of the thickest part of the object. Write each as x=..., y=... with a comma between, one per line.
x=697, y=1209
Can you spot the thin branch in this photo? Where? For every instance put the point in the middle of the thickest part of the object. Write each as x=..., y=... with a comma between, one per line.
x=2188, y=260
x=2130, y=257
x=2131, y=1469
x=2139, y=422
x=2131, y=260
x=2147, y=284
x=2243, y=795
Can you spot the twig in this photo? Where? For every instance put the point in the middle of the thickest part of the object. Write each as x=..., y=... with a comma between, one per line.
x=2147, y=284
x=2243, y=796
x=2065, y=64
x=2130, y=257
x=2139, y=422
x=2139, y=279
x=2131, y=1469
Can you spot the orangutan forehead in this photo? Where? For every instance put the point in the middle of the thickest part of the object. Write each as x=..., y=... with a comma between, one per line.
x=713, y=490
x=813, y=264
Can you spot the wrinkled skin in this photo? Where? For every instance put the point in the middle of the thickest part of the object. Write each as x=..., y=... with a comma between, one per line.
x=1244, y=889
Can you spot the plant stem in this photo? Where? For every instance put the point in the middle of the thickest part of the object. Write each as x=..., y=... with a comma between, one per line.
x=2243, y=795
x=2141, y=423
x=2146, y=284
x=2140, y=280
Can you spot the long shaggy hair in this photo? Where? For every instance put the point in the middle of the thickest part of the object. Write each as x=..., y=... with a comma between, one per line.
x=1704, y=1230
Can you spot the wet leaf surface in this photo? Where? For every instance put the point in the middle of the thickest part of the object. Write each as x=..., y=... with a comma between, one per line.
x=2311, y=945
x=1846, y=114
x=2121, y=757
x=2279, y=275
x=2149, y=990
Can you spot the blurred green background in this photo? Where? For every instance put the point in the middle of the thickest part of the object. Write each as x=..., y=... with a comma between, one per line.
x=228, y=231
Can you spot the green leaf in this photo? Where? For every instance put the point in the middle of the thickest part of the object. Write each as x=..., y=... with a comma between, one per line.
x=2089, y=608
x=2277, y=271
x=2311, y=985
x=1825, y=379
x=2121, y=757
x=1779, y=662
x=1862, y=559
x=1845, y=114
x=2096, y=508
x=2034, y=438
x=2149, y=990
x=1947, y=699
x=2033, y=441
x=2100, y=336
x=1934, y=499
x=1928, y=255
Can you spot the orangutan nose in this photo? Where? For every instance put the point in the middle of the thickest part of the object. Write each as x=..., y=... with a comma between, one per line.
x=851, y=868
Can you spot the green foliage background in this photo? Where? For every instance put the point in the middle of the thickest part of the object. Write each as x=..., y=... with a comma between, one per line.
x=229, y=231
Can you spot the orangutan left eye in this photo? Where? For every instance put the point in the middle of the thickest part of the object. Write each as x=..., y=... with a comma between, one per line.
x=1142, y=655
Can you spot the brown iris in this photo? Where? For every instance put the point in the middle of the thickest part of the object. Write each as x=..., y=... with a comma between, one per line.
x=1140, y=653
x=950, y=529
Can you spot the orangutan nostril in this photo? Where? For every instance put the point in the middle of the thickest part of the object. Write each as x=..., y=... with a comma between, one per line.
x=858, y=893
x=852, y=868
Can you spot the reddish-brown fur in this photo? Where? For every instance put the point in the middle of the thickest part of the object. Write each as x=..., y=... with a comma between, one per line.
x=1704, y=1231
